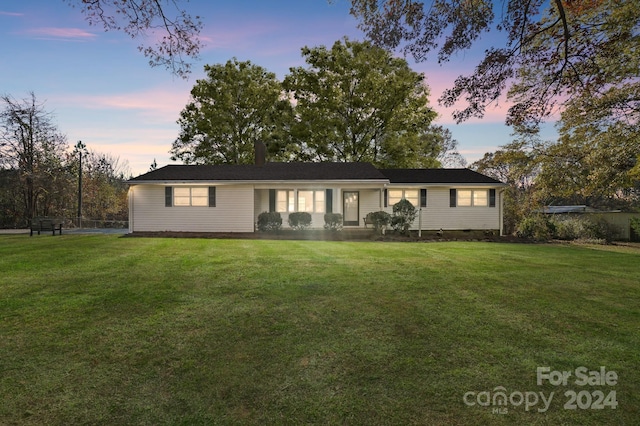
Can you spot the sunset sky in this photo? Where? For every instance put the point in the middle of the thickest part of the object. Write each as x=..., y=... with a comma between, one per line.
x=102, y=91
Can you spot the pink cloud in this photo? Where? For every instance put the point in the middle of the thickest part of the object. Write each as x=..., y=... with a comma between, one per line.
x=439, y=79
x=3, y=13
x=160, y=104
x=61, y=33
x=236, y=38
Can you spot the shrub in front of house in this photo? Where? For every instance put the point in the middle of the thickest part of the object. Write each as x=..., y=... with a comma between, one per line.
x=380, y=220
x=333, y=221
x=269, y=221
x=404, y=213
x=299, y=220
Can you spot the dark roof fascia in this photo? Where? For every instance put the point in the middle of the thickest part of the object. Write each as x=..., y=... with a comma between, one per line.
x=439, y=177
x=284, y=173
x=319, y=172
x=253, y=182
x=447, y=184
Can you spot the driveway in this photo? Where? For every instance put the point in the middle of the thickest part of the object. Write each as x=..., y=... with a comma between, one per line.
x=117, y=231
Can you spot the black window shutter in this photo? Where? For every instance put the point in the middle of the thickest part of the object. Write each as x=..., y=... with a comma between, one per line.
x=452, y=197
x=168, y=196
x=386, y=202
x=212, y=196
x=328, y=199
x=272, y=200
x=492, y=198
x=423, y=197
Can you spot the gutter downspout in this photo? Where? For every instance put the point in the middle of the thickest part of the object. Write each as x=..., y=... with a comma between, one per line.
x=131, y=212
x=501, y=212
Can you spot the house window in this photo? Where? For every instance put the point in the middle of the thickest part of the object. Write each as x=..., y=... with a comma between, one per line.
x=192, y=196
x=464, y=198
x=480, y=198
x=472, y=198
x=285, y=201
x=302, y=201
x=411, y=195
x=311, y=201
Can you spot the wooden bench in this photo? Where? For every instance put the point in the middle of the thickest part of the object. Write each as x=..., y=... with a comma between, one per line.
x=367, y=220
x=46, y=225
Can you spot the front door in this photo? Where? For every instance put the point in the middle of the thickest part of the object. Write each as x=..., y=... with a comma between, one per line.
x=351, y=208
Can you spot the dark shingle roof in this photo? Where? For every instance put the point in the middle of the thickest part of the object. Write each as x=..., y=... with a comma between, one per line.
x=311, y=172
x=444, y=176
x=268, y=172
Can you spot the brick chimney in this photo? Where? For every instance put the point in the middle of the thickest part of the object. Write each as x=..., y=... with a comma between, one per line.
x=260, y=153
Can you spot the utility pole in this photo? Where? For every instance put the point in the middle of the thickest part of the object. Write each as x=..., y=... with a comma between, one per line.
x=80, y=147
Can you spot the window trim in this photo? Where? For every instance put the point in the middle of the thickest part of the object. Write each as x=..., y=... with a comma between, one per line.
x=292, y=201
x=387, y=196
x=170, y=196
x=314, y=200
x=289, y=193
x=454, y=197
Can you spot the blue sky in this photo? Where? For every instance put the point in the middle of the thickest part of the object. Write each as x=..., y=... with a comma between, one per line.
x=102, y=91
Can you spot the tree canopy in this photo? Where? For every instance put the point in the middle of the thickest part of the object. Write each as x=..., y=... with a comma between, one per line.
x=356, y=102
x=238, y=104
x=39, y=174
x=553, y=52
x=32, y=146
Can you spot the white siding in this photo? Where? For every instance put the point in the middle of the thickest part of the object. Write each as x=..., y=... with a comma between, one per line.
x=438, y=215
x=262, y=205
x=233, y=211
x=238, y=206
x=370, y=201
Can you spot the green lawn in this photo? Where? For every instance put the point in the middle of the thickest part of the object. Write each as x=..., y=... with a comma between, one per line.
x=111, y=330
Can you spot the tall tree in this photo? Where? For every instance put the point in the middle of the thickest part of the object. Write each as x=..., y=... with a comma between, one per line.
x=356, y=102
x=32, y=145
x=11, y=212
x=516, y=165
x=553, y=52
x=238, y=104
x=177, y=32
x=597, y=172
x=104, y=188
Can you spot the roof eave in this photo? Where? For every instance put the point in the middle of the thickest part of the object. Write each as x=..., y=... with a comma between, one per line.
x=474, y=184
x=256, y=181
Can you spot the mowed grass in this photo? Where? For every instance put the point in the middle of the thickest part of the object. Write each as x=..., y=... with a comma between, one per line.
x=111, y=330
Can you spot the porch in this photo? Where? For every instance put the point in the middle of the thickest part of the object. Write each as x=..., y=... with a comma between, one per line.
x=352, y=202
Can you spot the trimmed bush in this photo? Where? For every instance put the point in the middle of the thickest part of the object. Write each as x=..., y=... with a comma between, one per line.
x=379, y=219
x=269, y=221
x=404, y=213
x=333, y=221
x=299, y=220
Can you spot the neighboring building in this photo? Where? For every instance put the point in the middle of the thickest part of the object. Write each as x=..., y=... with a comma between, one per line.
x=619, y=219
x=229, y=198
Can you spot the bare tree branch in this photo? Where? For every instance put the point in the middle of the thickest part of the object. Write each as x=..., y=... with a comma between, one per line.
x=178, y=42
